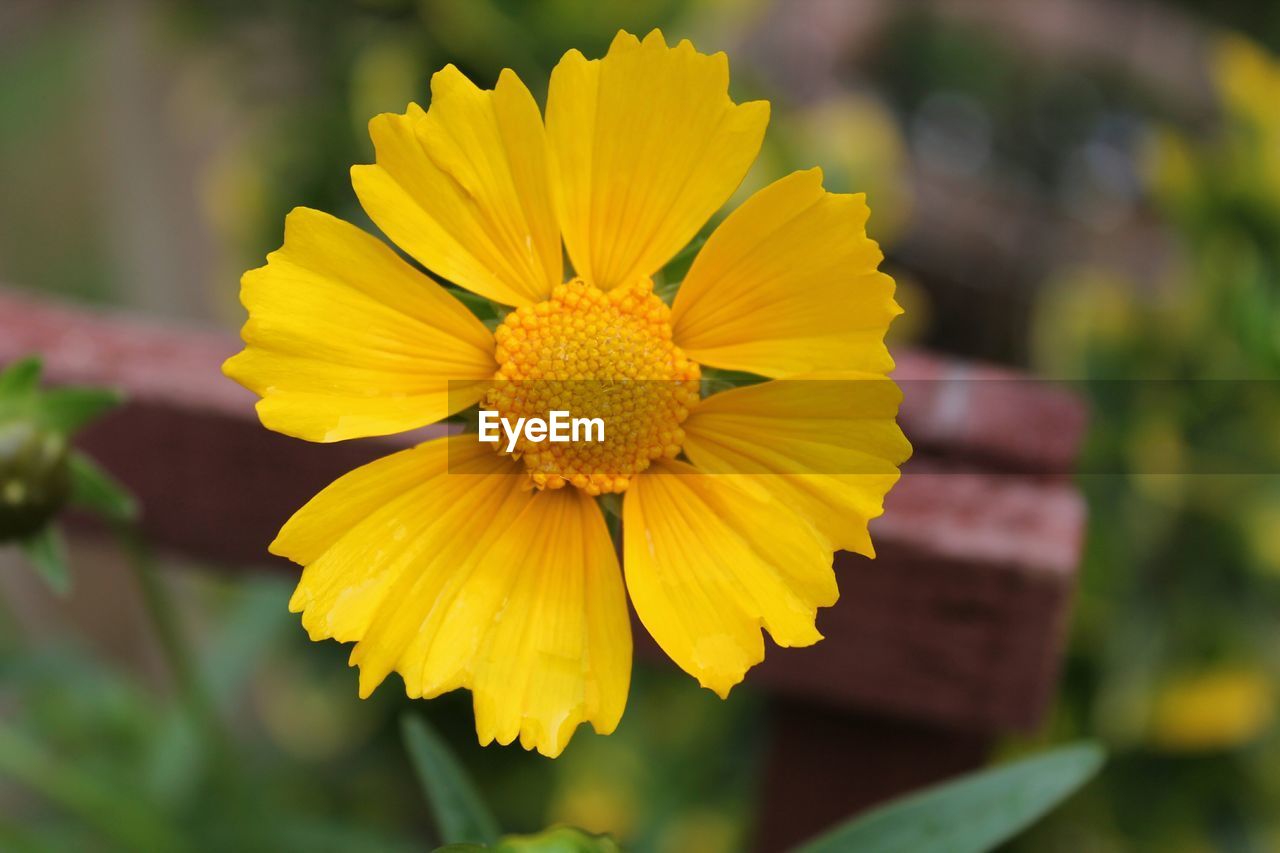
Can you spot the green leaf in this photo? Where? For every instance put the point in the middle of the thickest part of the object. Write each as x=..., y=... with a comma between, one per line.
x=48, y=554
x=971, y=814
x=69, y=409
x=460, y=814
x=21, y=377
x=94, y=489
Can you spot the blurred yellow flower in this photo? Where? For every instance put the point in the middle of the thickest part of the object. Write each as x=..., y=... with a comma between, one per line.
x=458, y=566
x=1216, y=709
x=1261, y=523
x=1157, y=450
x=1082, y=310
x=1247, y=77
x=384, y=74
x=598, y=804
x=859, y=138
x=1170, y=166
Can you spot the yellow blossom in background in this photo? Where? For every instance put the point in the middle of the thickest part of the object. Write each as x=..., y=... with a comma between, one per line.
x=1261, y=527
x=859, y=141
x=1081, y=310
x=1157, y=450
x=458, y=566
x=1170, y=167
x=600, y=804
x=1245, y=158
x=385, y=73
x=1216, y=709
x=1247, y=78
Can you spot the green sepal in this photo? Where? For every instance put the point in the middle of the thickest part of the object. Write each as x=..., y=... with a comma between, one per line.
x=488, y=312
x=68, y=409
x=20, y=378
x=48, y=555
x=94, y=489
x=62, y=410
x=715, y=380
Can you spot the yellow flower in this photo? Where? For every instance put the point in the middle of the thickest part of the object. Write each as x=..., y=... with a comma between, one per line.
x=1246, y=77
x=1216, y=709
x=458, y=566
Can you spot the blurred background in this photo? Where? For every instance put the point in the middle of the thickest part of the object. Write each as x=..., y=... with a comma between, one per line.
x=1086, y=190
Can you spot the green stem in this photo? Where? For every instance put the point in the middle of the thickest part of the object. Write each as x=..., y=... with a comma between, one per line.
x=161, y=612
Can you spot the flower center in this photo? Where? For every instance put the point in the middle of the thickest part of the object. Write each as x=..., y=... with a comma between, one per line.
x=595, y=355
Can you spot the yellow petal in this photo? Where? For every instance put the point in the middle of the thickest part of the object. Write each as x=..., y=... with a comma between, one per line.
x=828, y=448
x=558, y=649
x=645, y=145
x=787, y=284
x=441, y=565
x=464, y=188
x=709, y=559
x=344, y=339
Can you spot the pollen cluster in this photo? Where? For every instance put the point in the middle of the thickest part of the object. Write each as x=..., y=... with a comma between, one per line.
x=597, y=355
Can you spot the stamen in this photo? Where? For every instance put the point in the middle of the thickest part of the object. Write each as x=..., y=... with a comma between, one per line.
x=595, y=354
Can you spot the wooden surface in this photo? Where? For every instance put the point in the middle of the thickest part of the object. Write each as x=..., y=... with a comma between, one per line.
x=959, y=621
x=825, y=765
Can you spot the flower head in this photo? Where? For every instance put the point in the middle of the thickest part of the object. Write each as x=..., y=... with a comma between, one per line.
x=460, y=565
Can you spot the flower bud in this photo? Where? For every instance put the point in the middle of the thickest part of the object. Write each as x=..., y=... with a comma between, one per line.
x=35, y=478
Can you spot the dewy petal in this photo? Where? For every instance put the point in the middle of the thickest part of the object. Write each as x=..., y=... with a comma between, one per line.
x=463, y=188
x=645, y=145
x=787, y=284
x=558, y=649
x=828, y=448
x=710, y=559
x=344, y=339
x=441, y=565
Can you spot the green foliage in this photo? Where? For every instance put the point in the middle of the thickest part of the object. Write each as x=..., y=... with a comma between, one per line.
x=460, y=814
x=93, y=757
x=972, y=814
x=969, y=815
x=114, y=814
x=1173, y=660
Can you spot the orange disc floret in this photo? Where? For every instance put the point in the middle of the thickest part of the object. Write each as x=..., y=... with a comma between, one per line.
x=601, y=355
